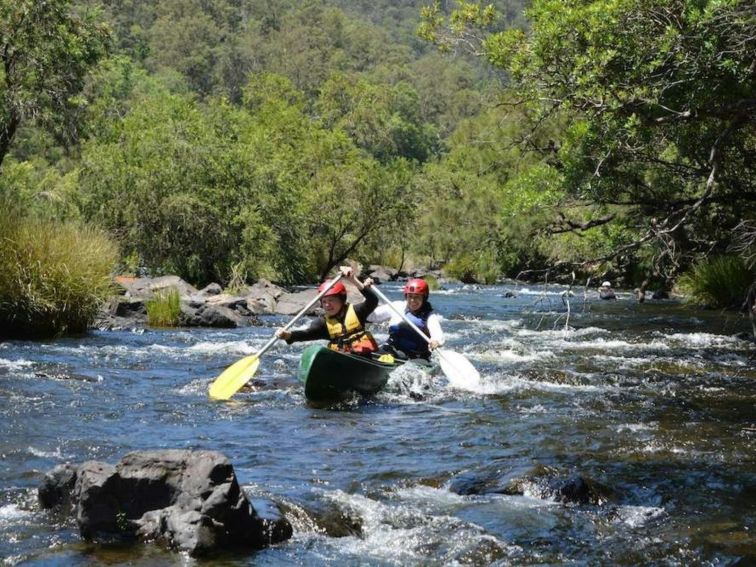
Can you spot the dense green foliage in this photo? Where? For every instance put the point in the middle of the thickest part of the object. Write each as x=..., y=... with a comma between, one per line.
x=721, y=282
x=47, y=50
x=655, y=108
x=228, y=140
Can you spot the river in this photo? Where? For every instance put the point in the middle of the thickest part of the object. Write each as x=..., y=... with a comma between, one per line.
x=654, y=401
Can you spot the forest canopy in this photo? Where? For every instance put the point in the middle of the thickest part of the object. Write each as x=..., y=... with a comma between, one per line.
x=222, y=139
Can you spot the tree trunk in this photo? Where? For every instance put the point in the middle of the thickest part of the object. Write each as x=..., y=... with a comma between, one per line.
x=7, y=133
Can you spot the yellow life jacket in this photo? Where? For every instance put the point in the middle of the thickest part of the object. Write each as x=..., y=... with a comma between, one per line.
x=349, y=336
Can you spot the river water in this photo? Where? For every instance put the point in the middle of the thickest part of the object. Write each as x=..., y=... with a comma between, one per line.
x=654, y=402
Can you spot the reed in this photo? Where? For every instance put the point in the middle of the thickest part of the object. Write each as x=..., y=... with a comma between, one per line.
x=721, y=282
x=164, y=309
x=54, y=276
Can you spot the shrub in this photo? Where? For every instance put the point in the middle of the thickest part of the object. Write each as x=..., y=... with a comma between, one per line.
x=53, y=276
x=721, y=282
x=432, y=282
x=164, y=309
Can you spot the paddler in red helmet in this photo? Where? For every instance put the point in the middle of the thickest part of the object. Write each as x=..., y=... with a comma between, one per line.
x=403, y=341
x=343, y=323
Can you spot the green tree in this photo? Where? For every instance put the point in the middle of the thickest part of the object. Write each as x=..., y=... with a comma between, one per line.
x=659, y=96
x=353, y=204
x=47, y=49
x=166, y=179
x=383, y=120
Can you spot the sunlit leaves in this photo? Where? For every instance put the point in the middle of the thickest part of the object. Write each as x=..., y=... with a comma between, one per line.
x=47, y=49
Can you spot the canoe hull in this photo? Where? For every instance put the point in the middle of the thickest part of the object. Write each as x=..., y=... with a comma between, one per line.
x=329, y=375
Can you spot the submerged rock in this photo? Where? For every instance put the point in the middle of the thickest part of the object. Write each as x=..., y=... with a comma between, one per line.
x=189, y=501
x=538, y=481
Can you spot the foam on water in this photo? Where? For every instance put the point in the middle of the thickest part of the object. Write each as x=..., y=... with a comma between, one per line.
x=700, y=340
x=492, y=384
x=400, y=531
x=612, y=345
x=637, y=516
x=509, y=357
x=57, y=454
x=636, y=427
x=15, y=364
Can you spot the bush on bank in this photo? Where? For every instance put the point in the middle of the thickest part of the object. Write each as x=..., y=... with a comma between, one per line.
x=54, y=276
x=721, y=282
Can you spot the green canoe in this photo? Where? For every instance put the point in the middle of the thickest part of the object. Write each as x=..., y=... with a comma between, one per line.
x=328, y=375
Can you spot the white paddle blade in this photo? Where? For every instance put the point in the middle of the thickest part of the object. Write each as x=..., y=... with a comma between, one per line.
x=460, y=372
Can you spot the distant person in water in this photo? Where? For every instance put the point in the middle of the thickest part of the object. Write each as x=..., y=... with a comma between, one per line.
x=343, y=323
x=606, y=291
x=403, y=341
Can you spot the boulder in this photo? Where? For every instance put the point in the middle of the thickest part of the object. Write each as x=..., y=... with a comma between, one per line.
x=189, y=501
x=660, y=293
x=293, y=303
x=210, y=315
x=538, y=481
x=382, y=273
x=147, y=287
x=211, y=289
x=263, y=297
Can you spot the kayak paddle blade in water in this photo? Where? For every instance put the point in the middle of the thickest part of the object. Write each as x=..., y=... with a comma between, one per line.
x=234, y=377
x=460, y=372
x=240, y=372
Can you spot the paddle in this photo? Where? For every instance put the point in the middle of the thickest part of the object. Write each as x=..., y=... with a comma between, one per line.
x=457, y=368
x=241, y=371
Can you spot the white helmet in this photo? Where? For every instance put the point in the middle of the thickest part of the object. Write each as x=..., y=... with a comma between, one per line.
x=606, y=284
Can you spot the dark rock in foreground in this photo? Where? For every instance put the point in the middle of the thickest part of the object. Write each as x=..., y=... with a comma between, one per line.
x=186, y=500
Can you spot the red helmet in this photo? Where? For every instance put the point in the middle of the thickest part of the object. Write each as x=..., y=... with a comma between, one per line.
x=337, y=289
x=416, y=285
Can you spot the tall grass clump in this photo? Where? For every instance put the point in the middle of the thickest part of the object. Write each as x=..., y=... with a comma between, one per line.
x=54, y=276
x=721, y=282
x=164, y=309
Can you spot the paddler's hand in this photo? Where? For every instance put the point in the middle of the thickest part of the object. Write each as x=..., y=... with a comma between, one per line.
x=348, y=273
x=368, y=282
x=283, y=334
x=433, y=344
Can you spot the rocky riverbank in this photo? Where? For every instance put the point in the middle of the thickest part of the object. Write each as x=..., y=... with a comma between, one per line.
x=212, y=306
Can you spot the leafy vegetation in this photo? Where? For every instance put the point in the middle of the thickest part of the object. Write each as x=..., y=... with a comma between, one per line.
x=721, y=282
x=53, y=276
x=230, y=140
x=164, y=309
x=650, y=119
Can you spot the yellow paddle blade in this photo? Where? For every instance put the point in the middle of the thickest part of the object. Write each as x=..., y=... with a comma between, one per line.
x=234, y=377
